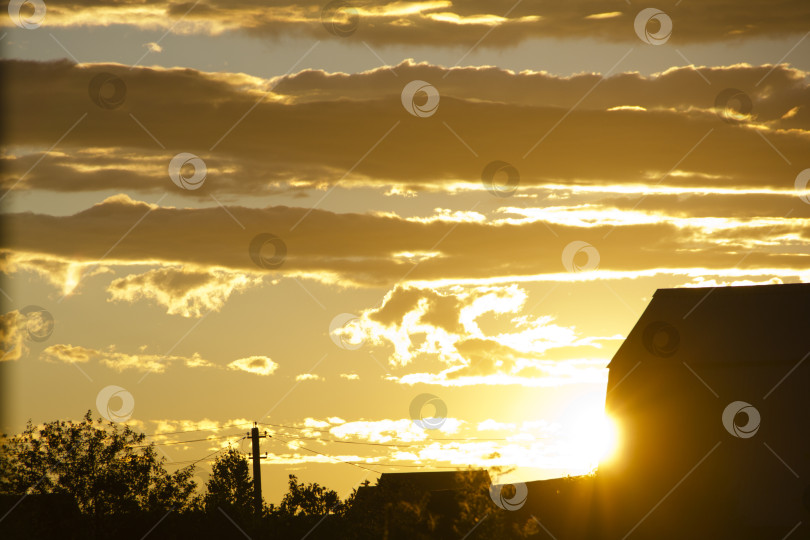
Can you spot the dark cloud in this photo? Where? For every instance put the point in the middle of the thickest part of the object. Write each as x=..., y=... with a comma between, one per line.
x=437, y=23
x=773, y=90
x=440, y=310
x=258, y=143
x=363, y=249
x=697, y=205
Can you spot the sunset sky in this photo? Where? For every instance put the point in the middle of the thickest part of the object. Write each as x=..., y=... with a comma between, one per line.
x=309, y=214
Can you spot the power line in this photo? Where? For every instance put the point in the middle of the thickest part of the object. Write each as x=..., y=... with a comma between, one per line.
x=458, y=439
x=287, y=438
x=456, y=467
x=425, y=443
x=352, y=442
x=202, y=458
x=332, y=457
x=200, y=429
x=357, y=464
x=184, y=442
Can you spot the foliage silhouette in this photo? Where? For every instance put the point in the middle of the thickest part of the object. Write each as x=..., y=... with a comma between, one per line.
x=92, y=479
x=310, y=500
x=104, y=468
x=230, y=486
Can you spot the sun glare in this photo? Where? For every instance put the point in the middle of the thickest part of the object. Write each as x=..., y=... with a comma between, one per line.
x=72, y=277
x=593, y=436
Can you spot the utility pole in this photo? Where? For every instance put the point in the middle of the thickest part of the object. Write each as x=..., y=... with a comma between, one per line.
x=257, y=471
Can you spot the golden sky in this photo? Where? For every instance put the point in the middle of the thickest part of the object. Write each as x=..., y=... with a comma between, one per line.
x=310, y=215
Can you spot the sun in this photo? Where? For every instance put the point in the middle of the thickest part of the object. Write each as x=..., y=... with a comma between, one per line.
x=592, y=436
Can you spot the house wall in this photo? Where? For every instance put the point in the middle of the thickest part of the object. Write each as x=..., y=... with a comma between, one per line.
x=680, y=471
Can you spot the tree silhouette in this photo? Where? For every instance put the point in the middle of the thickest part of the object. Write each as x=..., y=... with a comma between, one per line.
x=121, y=489
x=310, y=500
x=477, y=510
x=393, y=510
x=107, y=469
x=230, y=486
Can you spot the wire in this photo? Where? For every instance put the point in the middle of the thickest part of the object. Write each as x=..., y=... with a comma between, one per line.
x=357, y=463
x=194, y=462
x=351, y=442
x=332, y=457
x=201, y=429
x=184, y=442
x=286, y=438
x=353, y=463
x=282, y=425
x=457, y=467
x=431, y=441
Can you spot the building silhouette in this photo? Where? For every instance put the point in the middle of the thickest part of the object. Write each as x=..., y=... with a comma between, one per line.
x=711, y=394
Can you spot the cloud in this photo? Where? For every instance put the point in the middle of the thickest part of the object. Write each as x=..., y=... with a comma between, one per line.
x=554, y=443
x=543, y=443
x=638, y=129
x=12, y=336
x=260, y=365
x=703, y=282
x=162, y=428
x=350, y=376
x=120, y=361
x=65, y=275
x=384, y=431
x=463, y=329
x=182, y=290
x=20, y=327
x=436, y=22
x=359, y=249
x=308, y=377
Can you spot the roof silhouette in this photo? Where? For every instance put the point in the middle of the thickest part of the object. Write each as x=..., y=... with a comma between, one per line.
x=436, y=480
x=758, y=323
x=711, y=394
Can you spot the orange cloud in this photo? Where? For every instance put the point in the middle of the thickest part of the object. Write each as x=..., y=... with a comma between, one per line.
x=639, y=128
x=119, y=361
x=436, y=22
x=182, y=290
x=260, y=365
x=447, y=325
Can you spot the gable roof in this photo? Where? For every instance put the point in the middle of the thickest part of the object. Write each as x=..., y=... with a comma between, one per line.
x=436, y=480
x=722, y=325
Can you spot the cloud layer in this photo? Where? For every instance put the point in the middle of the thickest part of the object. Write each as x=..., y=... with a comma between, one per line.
x=437, y=22
x=259, y=137
x=370, y=250
x=456, y=327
